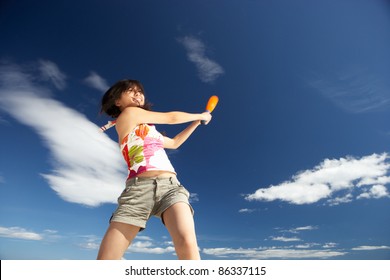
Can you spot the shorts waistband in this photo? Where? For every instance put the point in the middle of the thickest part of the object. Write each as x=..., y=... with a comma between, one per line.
x=146, y=180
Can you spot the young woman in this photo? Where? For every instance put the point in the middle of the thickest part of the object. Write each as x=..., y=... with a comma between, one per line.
x=152, y=188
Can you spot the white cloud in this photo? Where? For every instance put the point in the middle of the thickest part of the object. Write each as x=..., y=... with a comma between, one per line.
x=298, y=229
x=376, y=191
x=194, y=197
x=90, y=242
x=307, y=246
x=143, y=237
x=370, y=248
x=208, y=70
x=330, y=245
x=272, y=253
x=305, y=228
x=147, y=247
x=51, y=72
x=341, y=199
x=331, y=177
x=285, y=239
x=95, y=81
x=19, y=233
x=141, y=244
x=246, y=210
x=87, y=167
x=90, y=245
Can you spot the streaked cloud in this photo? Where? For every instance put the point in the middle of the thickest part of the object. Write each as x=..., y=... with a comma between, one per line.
x=148, y=247
x=89, y=242
x=208, y=70
x=337, y=180
x=194, y=197
x=297, y=229
x=19, y=233
x=87, y=167
x=330, y=245
x=285, y=239
x=141, y=244
x=282, y=247
x=51, y=72
x=355, y=90
x=246, y=210
x=272, y=253
x=371, y=248
x=95, y=81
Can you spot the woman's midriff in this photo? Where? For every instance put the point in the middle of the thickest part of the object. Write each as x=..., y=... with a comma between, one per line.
x=154, y=174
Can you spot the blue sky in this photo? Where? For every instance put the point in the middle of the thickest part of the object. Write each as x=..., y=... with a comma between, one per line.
x=294, y=165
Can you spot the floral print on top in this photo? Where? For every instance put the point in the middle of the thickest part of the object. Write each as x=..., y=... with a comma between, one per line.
x=143, y=150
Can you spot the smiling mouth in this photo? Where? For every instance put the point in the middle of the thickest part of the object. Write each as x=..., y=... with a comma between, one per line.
x=138, y=101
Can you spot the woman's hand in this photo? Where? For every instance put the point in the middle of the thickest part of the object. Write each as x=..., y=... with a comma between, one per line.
x=206, y=118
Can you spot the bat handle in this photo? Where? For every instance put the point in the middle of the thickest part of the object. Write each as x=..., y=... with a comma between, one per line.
x=204, y=122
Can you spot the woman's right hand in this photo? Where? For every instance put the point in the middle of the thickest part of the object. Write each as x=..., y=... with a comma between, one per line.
x=206, y=118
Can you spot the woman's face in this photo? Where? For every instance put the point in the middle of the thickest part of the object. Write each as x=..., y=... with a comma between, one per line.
x=133, y=97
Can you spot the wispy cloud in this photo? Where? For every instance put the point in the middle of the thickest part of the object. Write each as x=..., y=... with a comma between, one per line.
x=293, y=247
x=148, y=247
x=285, y=239
x=366, y=176
x=52, y=73
x=371, y=248
x=208, y=70
x=95, y=81
x=273, y=253
x=141, y=244
x=87, y=167
x=19, y=233
x=355, y=90
x=89, y=242
x=297, y=229
x=246, y=210
x=194, y=197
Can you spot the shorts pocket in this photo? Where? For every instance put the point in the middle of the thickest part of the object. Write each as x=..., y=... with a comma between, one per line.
x=129, y=193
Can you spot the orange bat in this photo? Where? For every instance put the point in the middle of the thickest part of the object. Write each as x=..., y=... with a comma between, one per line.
x=213, y=101
x=211, y=104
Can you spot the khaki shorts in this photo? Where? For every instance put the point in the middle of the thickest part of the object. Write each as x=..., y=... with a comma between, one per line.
x=146, y=197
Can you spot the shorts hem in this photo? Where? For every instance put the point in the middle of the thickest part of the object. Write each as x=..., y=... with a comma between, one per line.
x=173, y=203
x=132, y=222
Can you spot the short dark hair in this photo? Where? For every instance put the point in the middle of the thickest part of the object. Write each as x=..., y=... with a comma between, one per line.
x=115, y=92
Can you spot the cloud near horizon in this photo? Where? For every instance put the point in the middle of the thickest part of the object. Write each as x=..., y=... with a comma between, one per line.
x=272, y=253
x=87, y=167
x=19, y=233
x=342, y=178
x=208, y=70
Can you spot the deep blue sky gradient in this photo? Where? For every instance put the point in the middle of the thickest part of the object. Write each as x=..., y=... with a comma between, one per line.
x=303, y=81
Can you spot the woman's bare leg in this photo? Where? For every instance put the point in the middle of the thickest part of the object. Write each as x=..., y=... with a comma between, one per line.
x=116, y=241
x=180, y=223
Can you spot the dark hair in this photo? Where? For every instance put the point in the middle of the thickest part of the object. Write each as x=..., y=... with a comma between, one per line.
x=115, y=92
